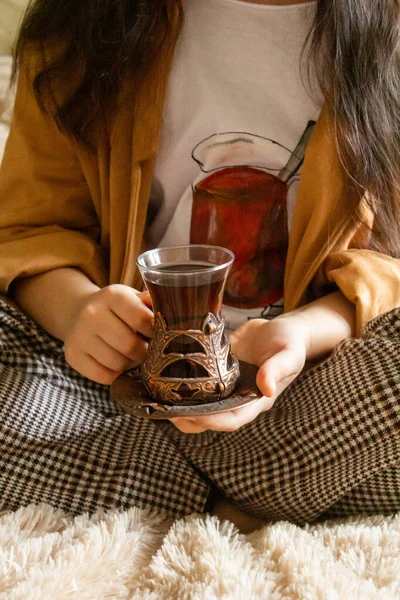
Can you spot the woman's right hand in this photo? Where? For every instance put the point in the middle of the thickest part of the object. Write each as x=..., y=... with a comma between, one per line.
x=105, y=335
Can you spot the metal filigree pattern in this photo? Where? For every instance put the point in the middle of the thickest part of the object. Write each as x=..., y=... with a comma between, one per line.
x=215, y=358
x=130, y=394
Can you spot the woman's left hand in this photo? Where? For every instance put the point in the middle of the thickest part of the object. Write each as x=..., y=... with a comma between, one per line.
x=279, y=349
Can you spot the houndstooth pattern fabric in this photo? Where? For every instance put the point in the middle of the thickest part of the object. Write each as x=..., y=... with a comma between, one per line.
x=331, y=442
x=62, y=441
x=332, y=438
x=378, y=494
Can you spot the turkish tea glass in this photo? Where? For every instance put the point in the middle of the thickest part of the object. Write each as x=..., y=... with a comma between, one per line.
x=189, y=360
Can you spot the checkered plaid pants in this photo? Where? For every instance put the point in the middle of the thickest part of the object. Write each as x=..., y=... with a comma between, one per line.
x=329, y=446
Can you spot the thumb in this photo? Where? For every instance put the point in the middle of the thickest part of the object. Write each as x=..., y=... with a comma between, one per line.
x=282, y=367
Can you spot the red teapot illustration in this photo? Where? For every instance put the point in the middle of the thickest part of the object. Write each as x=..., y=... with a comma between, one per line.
x=241, y=204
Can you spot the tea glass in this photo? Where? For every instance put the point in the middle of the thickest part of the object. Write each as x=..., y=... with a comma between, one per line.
x=189, y=360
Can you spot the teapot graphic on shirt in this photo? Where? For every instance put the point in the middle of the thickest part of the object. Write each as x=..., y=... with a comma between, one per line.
x=241, y=204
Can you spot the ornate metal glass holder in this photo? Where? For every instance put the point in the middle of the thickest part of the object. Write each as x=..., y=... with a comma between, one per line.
x=189, y=360
x=130, y=394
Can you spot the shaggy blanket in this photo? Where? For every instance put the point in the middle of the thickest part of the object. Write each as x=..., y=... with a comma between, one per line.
x=48, y=555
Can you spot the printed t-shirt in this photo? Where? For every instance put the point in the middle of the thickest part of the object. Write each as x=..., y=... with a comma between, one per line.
x=237, y=117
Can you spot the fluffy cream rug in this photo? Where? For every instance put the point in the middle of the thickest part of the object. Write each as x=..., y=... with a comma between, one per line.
x=47, y=555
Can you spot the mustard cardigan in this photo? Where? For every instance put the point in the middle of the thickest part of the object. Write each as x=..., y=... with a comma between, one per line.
x=62, y=205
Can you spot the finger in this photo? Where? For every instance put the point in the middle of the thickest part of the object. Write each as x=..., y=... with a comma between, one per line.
x=118, y=335
x=282, y=366
x=187, y=425
x=90, y=368
x=128, y=306
x=107, y=356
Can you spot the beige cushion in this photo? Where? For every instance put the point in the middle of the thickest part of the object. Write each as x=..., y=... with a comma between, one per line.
x=6, y=100
x=11, y=12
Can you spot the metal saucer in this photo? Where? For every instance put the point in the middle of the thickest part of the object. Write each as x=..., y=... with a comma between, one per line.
x=130, y=394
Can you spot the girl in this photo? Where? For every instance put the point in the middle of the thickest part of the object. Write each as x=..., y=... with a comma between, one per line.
x=127, y=113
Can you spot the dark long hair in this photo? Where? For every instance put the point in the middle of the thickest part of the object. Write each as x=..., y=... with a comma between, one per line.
x=354, y=49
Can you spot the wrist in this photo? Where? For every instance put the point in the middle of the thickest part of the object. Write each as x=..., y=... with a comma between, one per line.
x=75, y=305
x=324, y=323
x=55, y=298
x=84, y=289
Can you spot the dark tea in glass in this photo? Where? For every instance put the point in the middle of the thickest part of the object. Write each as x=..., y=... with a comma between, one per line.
x=183, y=301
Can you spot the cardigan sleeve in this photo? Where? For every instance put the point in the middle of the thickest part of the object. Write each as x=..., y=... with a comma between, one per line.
x=370, y=280
x=47, y=217
x=329, y=250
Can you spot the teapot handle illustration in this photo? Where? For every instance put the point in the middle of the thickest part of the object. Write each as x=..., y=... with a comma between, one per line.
x=297, y=157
